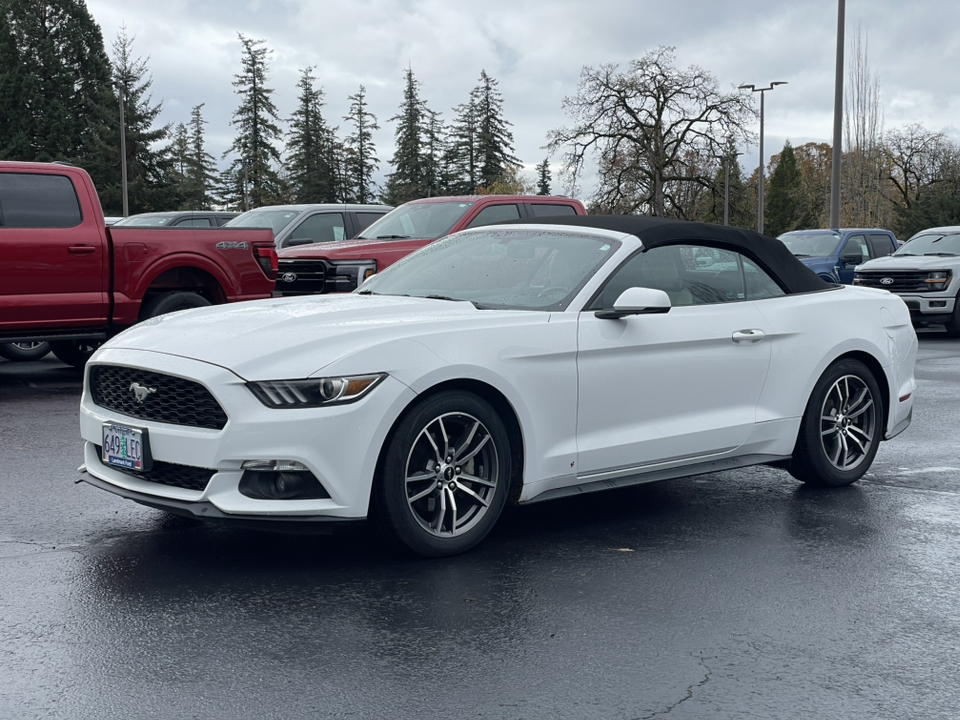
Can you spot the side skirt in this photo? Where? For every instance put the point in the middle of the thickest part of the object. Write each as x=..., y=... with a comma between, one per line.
x=657, y=475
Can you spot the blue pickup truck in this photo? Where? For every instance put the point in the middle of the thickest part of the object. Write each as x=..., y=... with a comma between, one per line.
x=833, y=254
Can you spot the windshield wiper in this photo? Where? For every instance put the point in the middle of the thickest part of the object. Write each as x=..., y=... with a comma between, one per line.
x=393, y=237
x=801, y=255
x=939, y=254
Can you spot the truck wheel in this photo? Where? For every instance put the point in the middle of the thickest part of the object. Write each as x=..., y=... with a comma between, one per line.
x=74, y=352
x=24, y=351
x=171, y=302
x=952, y=325
x=841, y=428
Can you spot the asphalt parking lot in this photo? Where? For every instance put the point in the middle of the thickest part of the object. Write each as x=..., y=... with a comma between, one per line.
x=732, y=595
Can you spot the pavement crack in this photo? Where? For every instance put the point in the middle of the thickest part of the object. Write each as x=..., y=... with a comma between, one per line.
x=690, y=691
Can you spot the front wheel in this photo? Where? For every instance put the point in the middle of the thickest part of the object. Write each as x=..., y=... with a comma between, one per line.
x=74, y=352
x=952, y=326
x=841, y=428
x=445, y=476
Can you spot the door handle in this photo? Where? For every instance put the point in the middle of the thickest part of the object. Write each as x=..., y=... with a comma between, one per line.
x=754, y=335
x=81, y=249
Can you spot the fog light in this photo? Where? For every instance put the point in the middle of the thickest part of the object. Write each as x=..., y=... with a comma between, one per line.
x=938, y=303
x=280, y=480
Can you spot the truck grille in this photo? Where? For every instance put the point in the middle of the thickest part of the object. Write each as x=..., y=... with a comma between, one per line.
x=165, y=398
x=903, y=280
x=300, y=277
x=164, y=473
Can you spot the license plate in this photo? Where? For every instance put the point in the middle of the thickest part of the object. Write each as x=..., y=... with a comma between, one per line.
x=126, y=447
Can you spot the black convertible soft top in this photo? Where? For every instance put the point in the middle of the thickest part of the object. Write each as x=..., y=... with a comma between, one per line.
x=771, y=254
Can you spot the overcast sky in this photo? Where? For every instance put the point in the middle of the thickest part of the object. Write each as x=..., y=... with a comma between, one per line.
x=536, y=50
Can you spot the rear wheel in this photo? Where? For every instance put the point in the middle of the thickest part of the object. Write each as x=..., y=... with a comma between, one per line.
x=171, y=302
x=24, y=351
x=952, y=325
x=841, y=427
x=74, y=352
x=445, y=475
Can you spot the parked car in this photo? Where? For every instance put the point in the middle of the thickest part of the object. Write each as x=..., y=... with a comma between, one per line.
x=71, y=281
x=519, y=362
x=924, y=272
x=341, y=267
x=182, y=218
x=833, y=254
x=294, y=225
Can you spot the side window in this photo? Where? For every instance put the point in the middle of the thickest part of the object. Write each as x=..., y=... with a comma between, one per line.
x=495, y=213
x=759, y=285
x=38, y=201
x=881, y=245
x=365, y=219
x=544, y=210
x=322, y=227
x=857, y=244
x=195, y=222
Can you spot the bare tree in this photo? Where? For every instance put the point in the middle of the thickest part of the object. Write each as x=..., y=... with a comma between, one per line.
x=918, y=159
x=645, y=127
x=863, y=169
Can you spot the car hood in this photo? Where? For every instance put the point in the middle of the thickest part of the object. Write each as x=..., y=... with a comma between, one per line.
x=296, y=337
x=811, y=261
x=340, y=248
x=910, y=262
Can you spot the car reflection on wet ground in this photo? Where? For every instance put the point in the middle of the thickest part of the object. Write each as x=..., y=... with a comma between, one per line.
x=725, y=596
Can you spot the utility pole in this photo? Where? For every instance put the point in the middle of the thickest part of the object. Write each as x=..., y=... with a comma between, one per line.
x=123, y=152
x=754, y=88
x=837, y=123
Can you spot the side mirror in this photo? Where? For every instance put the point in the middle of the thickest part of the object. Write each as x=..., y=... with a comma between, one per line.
x=299, y=241
x=852, y=259
x=637, y=301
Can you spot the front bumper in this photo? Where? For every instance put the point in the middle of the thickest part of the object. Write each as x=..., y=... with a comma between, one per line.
x=937, y=306
x=340, y=445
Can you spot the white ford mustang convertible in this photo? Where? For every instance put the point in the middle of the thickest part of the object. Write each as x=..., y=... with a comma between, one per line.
x=516, y=362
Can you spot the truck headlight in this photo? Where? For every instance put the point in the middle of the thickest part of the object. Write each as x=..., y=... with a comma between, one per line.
x=314, y=392
x=938, y=279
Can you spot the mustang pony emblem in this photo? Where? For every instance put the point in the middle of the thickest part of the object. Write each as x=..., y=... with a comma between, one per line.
x=141, y=392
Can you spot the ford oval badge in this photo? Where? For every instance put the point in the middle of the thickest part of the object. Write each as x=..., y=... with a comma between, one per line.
x=886, y=281
x=289, y=277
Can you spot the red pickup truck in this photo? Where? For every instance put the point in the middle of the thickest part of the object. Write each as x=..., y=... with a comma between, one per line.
x=66, y=278
x=341, y=266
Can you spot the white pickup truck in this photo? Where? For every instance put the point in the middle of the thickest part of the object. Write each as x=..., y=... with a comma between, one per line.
x=925, y=272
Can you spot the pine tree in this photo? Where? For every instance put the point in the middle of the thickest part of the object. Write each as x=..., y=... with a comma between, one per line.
x=256, y=121
x=411, y=161
x=544, y=177
x=54, y=79
x=201, y=172
x=494, y=139
x=461, y=153
x=783, y=207
x=360, y=159
x=151, y=179
x=312, y=147
x=434, y=145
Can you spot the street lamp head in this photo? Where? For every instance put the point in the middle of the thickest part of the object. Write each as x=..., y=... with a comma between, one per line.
x=781, y=82
x=746, y=87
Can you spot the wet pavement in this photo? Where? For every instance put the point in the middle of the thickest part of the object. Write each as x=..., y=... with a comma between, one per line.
x=732, y=595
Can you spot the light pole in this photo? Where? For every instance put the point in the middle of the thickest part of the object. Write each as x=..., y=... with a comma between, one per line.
x=837, y=123
x=123, y=152
x=754, y=88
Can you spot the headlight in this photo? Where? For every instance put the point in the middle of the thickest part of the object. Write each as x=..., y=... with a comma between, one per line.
x=314, y=392
x=349, y=274
x=938, y=279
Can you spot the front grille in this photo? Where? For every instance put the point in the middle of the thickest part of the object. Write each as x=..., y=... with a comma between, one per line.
x=297, y=277
x=164, y=473
x=903, y=280
x=165, y=398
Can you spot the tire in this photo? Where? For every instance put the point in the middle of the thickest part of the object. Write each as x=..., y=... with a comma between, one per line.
x=952, y=326
x=24, y=351
x=74, y=352
x=422, y=472
x=841, y=428
x=171, y=302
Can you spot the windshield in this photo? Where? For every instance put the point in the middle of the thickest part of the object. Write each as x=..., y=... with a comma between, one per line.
x=275, y=220
x=502, y=269
x=417, y=220
x=144, y=221
x=801, y=244
x=931, y=244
